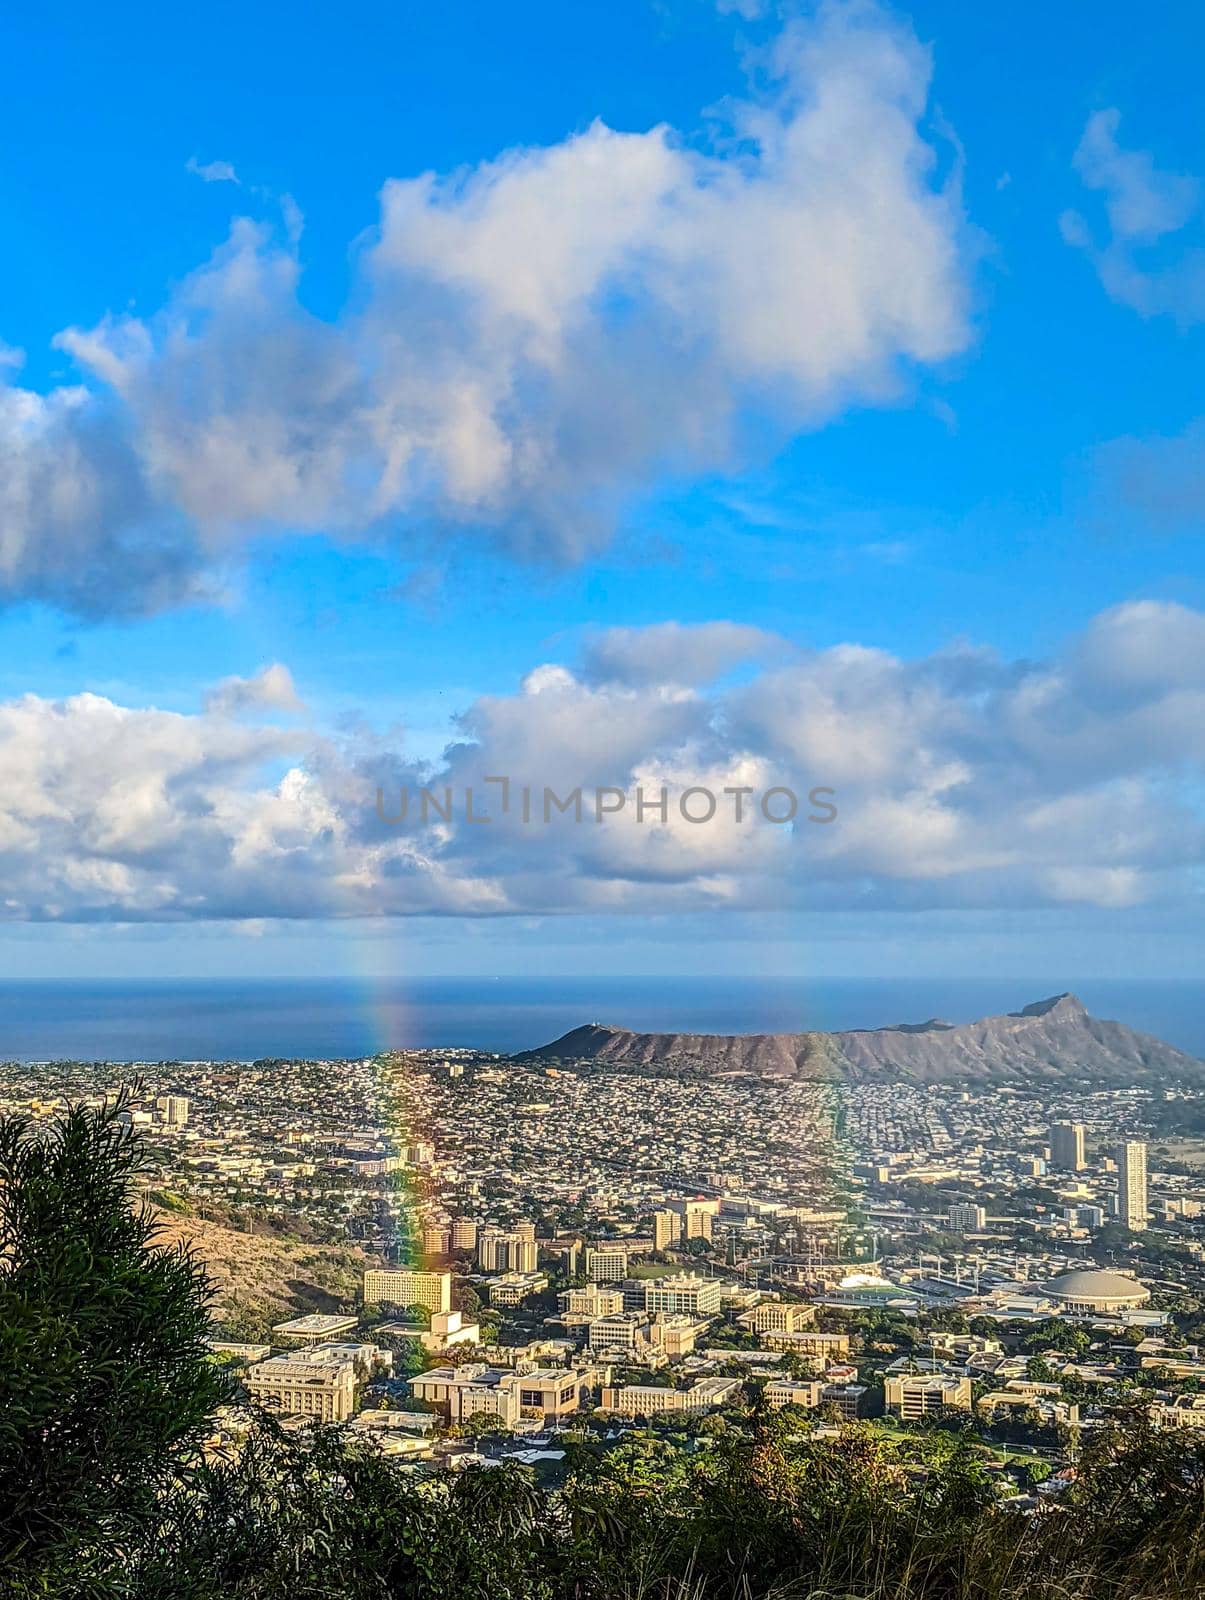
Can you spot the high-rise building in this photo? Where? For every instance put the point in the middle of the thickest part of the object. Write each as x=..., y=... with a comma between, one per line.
x=172, y=1109
x=967, y=1218
x=464, y=1234
x=515, y=1251
x=436, y=1239
x=698, y=1223
x=1131, y=1184
x=667, y=1229
x=1067, y=1146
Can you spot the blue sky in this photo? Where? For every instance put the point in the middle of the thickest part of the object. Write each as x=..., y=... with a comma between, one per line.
x=919, y=375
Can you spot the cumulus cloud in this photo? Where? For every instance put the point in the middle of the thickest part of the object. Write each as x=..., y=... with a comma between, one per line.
x=1143, y=205
x=270, y=689
x=961, y=780
x=529, y=344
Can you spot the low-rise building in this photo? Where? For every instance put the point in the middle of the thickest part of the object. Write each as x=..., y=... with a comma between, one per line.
x=646, y=1400
x=778, y=1316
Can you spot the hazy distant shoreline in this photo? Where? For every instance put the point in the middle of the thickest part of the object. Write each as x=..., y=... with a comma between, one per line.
x=236, y=1019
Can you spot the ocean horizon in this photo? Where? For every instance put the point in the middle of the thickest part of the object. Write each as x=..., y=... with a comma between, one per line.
x=236, y=1019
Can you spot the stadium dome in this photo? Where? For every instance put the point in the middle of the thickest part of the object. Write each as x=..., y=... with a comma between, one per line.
x=1090, y=1290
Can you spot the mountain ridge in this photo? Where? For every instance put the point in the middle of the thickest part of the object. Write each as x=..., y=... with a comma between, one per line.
x=1047, y=1040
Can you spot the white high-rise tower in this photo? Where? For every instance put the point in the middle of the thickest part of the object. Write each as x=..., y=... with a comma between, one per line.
x=1131, y=1184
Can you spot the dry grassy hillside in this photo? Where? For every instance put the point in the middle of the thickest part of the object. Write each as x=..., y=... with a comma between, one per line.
x=259, y=1279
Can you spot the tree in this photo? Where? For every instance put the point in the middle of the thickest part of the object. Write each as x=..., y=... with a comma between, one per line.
x=106, y=1379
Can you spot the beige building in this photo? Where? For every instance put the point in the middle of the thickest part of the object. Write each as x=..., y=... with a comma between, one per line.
x=512, y=1288
x=513, y=1251
x=778, y=1316
x=667, y=1229
x=913, y=1395
x=546, y=1393
x=683, y=1294
x=623, y=1330
x=641, y=1400
x=676, y=1336
x=1131, y=1184
x=304, y=1385
x=403, y=1287
x=807, y=1342
x=606, y=1264
x=591, y=1301
x=464, y=1234
x=803, y=1392
x=1067, y=1146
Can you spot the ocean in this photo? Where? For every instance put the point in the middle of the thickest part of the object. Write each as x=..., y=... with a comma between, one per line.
x=240, y=1020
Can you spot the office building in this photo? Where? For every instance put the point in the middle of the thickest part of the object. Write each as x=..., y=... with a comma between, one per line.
x=592, y=1301
x=623, y=1330
x=683, y=1294
x=172, y=1109
x=778, y=1316
x=512, y=1288
x=639, y=1400
x=401, y=1288
x=547, y=1393
x=804, y=1392
x=606, y=1263
x=323, y=1390
x=915, y=1395
x=1067, y=1146
x=1131, y=1184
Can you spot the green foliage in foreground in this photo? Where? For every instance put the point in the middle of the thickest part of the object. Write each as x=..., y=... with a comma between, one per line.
x=104, y=1495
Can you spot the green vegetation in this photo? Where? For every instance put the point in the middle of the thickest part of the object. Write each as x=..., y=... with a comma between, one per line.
x=107, y=1492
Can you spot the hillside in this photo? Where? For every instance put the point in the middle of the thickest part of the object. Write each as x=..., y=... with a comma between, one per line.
x=259, y=1278
x=1054, y=1039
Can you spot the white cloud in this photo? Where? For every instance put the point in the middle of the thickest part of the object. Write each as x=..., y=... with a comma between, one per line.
x=270, y=689
x=530, y=344
x=962, y=781
x=1143, y=205
x=211, y=171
